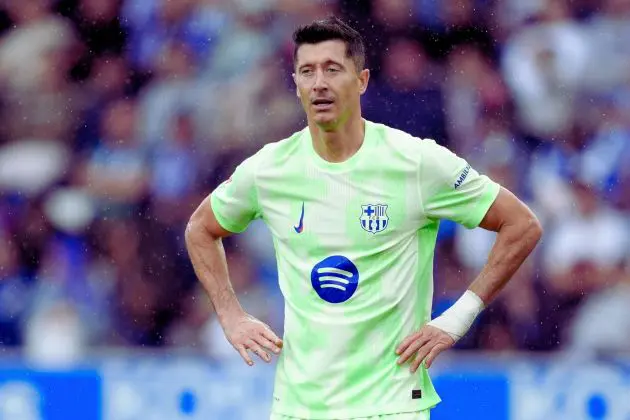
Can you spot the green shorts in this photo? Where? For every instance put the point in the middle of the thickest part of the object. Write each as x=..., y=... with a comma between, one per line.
x=419, y=415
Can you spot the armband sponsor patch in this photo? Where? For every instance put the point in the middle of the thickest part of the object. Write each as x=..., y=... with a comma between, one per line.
x=462, y=177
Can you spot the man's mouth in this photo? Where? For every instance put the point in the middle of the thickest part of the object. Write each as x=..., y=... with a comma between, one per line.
x=322, y=104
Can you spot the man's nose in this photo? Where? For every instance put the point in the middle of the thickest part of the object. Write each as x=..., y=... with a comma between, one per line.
x=320, y=81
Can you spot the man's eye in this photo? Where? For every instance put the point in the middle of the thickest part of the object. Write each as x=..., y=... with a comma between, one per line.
x=306, y=72
x=332, y=69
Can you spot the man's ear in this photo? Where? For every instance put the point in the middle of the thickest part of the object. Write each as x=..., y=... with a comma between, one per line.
x=297, y=91
x=364, y=79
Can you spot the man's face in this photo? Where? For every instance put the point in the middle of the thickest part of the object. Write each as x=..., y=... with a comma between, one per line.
x=328, y=83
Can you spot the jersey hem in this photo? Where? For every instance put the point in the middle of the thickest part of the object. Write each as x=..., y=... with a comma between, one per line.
x=389, y=409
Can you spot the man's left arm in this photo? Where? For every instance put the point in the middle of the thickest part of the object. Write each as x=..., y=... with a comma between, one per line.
x=518, y=232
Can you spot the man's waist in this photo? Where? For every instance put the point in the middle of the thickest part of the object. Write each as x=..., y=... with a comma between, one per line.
x=361, y=397
x=337, y=379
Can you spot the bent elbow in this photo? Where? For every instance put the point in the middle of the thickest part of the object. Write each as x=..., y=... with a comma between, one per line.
x=535, y=229
x=203, y=226
x=190, y=230
x=193, y=226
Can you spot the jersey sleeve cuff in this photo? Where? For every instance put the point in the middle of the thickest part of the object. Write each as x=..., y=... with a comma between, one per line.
x=483, y=205
x=218, y=210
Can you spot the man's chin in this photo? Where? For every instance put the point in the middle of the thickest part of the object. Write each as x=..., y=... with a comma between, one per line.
x=326, y=121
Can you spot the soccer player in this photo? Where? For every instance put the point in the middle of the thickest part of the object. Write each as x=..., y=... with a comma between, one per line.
x=353, y=207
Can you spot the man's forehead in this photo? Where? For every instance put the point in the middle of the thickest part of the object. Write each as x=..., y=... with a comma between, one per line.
x=321, y=52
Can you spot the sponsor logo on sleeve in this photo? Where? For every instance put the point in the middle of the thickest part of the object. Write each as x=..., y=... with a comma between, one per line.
x=462, y=177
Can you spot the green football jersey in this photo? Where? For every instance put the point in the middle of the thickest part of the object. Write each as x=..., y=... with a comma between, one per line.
x=354, y=244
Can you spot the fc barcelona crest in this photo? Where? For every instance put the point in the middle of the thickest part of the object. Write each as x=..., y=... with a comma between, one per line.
x=374, y=217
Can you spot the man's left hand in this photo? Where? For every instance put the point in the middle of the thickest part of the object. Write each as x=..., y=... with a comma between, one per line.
x=425, y=344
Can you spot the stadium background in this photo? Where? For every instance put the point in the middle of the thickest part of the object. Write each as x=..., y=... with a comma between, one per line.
x=118, y=116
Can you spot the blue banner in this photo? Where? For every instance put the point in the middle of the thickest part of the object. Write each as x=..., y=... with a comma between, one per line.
x=174, y=388
x=29, y=394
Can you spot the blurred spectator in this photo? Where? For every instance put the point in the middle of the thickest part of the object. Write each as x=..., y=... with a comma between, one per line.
x=98, y=24
x=581, y=254
x=175, y=172
x=544, y=65
x=608, y=65
x=553, y=165
x=153, y=24
x=119, y=116
x=250, y=112
x=380, y=21
x=203, y=330
x=408, y=94
x=602, y=325
x=55, y=336
x=138, y=285
x=35, y=59
x=586, y=245
x=28, y=167
x=109, y=80
x=464, y=22
x=252, y=39
x=475, y=97
x=116, y=173
x=37, y=35
x=172, y=89
x=606, y=155
x=15, y=293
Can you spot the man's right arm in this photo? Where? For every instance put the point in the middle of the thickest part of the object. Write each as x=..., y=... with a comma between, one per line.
x=204, y=243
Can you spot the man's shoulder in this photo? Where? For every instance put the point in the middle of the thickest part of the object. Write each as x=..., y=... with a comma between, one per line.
x=278, y=150
x=404, y=143
x=286, y=145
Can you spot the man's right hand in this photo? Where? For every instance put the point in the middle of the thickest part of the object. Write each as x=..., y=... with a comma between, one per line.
x=245, y=333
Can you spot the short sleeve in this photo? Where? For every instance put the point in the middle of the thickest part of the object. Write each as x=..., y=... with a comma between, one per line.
x=235, y=201
x=451, y=189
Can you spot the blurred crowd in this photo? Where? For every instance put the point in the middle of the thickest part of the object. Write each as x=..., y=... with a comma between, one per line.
x=117, y=117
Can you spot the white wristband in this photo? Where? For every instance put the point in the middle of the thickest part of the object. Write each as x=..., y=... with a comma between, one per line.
x=457, y=319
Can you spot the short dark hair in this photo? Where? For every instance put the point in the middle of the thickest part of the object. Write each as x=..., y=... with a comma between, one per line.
x=331, y=28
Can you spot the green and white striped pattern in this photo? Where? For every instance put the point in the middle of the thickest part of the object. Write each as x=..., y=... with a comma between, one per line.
x=338, y=359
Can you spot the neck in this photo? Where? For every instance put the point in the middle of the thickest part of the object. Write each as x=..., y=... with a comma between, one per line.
x=339, y=144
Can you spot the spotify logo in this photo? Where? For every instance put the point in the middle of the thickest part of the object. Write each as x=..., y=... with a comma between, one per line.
x=335, y=279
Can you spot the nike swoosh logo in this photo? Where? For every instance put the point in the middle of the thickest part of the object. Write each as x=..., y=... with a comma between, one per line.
x=300, y=227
